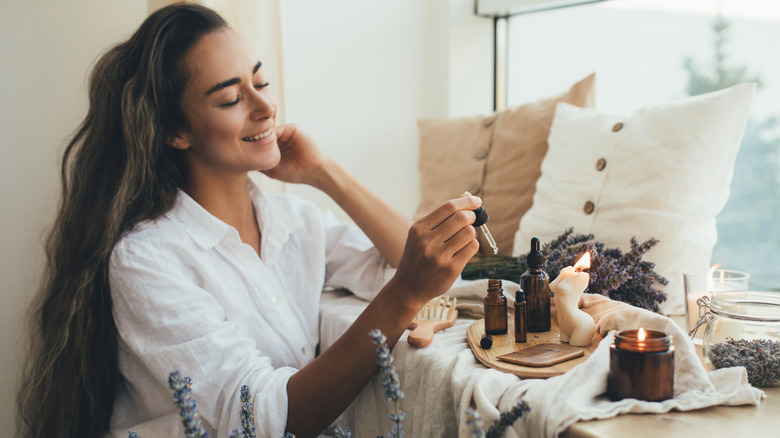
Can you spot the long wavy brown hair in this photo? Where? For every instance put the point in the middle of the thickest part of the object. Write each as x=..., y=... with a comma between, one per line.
x=116, y=171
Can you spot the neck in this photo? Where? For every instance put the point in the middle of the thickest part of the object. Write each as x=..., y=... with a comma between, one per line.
x=229, y=200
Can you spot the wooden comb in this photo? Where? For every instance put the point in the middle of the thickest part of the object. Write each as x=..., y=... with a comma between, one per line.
x=437, y=314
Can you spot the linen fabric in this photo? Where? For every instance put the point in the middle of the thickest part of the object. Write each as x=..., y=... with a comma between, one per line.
x=444, y=379
x=188, y=295
x=496, y=157
x=663, y=171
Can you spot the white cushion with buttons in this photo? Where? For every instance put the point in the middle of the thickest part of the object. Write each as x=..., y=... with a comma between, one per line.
x=665, y=173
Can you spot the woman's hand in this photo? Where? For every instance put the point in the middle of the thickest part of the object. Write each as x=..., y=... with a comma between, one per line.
x=437, y=249
x=302, y=161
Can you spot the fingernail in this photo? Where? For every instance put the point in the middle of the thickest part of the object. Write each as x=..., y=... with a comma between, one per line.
x=466, y=193
x=476, y=199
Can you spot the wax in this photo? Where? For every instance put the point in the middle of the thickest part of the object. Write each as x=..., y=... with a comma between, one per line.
x=576, y=327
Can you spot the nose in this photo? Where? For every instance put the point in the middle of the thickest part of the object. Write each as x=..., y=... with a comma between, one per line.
x=263, y=105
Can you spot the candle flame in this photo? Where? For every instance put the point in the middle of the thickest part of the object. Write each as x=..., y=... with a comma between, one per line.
x=710, y=282
x=641, y=335
x=583, y=262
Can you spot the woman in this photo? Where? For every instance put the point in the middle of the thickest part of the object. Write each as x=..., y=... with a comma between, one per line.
x=165, y=256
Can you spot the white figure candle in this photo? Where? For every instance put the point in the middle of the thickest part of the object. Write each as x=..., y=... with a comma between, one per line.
x=576, y=327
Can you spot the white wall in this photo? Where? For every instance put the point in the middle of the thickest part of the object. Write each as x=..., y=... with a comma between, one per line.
x=357, y=76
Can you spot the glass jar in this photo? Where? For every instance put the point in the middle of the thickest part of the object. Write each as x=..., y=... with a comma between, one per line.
x=742, y=328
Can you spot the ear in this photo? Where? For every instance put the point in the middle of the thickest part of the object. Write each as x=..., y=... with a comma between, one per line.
x=178, y=141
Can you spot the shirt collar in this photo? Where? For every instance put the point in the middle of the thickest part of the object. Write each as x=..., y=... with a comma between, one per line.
x=276, y=224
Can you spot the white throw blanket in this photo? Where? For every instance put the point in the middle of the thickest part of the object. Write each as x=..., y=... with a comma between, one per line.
x=441, y=381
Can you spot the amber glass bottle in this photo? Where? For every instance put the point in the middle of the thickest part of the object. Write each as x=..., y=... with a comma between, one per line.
x=521, y=317
x=536, y=284
x=495, y=309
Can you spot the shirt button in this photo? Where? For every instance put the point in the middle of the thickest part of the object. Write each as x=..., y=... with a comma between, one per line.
x=275, y=300
x=488, y=122
x=589, y=207
x=481, y=154
x=304, y=350
x=618, y=126
x=601, y=164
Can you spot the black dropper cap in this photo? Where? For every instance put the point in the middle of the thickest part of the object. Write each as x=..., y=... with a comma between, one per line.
x=536, y=256
x=482, y=217
x=486, y=342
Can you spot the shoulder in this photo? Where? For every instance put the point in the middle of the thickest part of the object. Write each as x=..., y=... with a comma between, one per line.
x=159, y=244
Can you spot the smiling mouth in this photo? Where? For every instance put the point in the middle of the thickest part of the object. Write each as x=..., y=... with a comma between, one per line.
x=259, y=136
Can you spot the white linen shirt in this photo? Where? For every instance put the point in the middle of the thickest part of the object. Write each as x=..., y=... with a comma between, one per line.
x=188, y=295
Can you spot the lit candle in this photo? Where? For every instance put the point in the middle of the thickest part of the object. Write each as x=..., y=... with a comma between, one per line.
x=576, y=327
x=641, y=366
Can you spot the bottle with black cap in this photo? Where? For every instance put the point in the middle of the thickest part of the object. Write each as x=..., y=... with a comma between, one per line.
x=536, y=284
x=521, y=317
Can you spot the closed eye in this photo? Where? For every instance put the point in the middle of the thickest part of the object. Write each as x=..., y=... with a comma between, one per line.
x=238, y=99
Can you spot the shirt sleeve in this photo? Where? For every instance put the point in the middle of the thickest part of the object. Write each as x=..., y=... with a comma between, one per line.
x=352, y=261
x=167, y=322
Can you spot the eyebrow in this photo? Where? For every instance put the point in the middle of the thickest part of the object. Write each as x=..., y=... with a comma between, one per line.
x=231, y=81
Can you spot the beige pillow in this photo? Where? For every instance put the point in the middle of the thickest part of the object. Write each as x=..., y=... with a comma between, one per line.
x=496, y=157
x=663, y=171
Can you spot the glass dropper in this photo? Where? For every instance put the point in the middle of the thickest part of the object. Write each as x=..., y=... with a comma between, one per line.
x=482, y=218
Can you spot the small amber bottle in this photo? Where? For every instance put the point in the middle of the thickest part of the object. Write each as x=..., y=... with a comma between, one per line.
x=495, y=309
x=536, y=285
x=521, y=318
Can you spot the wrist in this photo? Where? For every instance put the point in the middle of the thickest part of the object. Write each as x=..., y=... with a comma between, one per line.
x=327, y=177
x=404, y=296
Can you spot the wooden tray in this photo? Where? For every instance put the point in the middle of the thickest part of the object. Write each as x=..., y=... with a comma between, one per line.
x=503, y=344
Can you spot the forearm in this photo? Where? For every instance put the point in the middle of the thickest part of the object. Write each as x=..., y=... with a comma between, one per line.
x=384, y=225
x=319, y=392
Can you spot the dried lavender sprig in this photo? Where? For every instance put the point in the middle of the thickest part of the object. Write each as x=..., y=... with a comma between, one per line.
x=343, y=432
x=390, y=382
x=475, y=423
x=188, y=409
x=236, y=433
x=132, y=434
x=507, y=419
x=760, y=357
x=247, y=413
x=288, y=435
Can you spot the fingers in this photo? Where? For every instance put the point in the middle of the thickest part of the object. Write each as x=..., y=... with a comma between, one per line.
x=465, y=204
x=284, y=133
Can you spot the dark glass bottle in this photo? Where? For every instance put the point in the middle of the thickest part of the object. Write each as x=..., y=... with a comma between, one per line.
x=495, y=309
x=521, y=317
x=536, y=284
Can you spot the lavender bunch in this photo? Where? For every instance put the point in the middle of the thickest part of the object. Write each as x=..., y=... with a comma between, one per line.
x=390, y=382
x=621, y=277
x=182, y=396
x=508, y=418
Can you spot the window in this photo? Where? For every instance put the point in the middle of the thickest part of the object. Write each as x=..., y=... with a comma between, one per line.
x=650, y=51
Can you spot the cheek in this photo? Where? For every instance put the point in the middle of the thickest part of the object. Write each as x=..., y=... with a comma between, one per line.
x=217, y=127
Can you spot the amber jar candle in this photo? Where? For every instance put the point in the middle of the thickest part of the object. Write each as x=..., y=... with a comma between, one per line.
x=495, y=309
x=641, y=366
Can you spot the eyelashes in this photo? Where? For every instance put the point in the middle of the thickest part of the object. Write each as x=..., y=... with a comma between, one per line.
x=238, y=98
